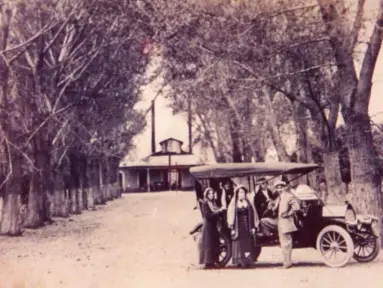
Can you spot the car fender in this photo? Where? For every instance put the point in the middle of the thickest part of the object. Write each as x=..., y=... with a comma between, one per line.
x=331, y=221
x=366, y=218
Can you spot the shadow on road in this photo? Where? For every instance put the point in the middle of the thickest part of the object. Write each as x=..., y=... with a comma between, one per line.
x=263, y=265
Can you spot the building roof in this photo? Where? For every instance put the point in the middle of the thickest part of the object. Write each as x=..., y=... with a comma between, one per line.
x=162, y=161
x=171, y=138
x=160, y=153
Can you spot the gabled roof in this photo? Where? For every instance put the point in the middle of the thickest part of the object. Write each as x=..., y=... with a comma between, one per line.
x=171, y=138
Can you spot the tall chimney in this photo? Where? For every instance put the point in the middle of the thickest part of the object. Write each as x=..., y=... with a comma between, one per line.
x=190, y=125
x=153, y=128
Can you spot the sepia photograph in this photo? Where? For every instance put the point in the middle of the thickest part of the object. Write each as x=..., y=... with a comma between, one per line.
x=191, y=143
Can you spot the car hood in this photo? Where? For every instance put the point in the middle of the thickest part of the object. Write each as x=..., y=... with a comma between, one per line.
x=334, y=210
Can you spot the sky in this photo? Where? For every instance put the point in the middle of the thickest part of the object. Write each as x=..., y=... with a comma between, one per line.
x=169, y=125
x=376, y=101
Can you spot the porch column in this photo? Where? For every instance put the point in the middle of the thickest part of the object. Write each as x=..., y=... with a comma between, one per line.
x=148, y=178
x=121, y=178
x=138, y=179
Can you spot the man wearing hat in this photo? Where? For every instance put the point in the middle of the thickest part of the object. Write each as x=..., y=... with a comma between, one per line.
x=262, y=197
x=288, y=205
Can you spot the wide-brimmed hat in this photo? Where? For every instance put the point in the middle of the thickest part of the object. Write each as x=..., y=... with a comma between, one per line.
x=280, y=183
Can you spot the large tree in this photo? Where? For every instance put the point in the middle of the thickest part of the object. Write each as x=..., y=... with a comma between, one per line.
x=355, y=98
x=70, y=78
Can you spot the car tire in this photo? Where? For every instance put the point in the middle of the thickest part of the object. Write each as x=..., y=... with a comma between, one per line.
x=371, y=256
x=225, y=250
x=258, y=250
x=331, y=240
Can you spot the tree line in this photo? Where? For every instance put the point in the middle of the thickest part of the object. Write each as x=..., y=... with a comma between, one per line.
x=255, y=71
x=252, y=71
x=70, y=77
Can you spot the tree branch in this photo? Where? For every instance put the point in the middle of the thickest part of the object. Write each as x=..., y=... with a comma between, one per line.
x=357, y=23
x=33, y=38
x=46, y=120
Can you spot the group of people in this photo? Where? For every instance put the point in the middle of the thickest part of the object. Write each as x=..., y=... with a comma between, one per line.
x=247, y=216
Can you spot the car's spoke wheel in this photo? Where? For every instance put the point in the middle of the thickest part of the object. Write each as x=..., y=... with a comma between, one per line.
x=367, y=248
x=224, y=251
x=335, y=245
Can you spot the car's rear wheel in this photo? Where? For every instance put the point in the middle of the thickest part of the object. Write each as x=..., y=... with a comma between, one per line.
x=335, y=245
x=224, y=250
x=367, y=248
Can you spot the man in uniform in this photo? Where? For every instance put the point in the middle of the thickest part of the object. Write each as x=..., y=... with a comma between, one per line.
x=288, y=205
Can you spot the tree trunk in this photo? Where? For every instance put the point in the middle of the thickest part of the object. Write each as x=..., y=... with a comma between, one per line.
x=273, y=128
x=302, y=143
x=107, y=180
x=91, y=198
x=331, y=164
x=235, y=140
x=247, y=153
x=365, y=188
x=100, y=187
x=313, y=176
x=60, y=199
x=40, y=182
x=85, y=183
x=115, y=176
x=9, y=126
x=80, y=194
x=35, y=202
x=208, y=136
x=90, y=175
x=85, y=195
x=48, y=206
x=110, y=177
x=11, y=220
x=73, y=197
x=74, y=183
x=48, y=198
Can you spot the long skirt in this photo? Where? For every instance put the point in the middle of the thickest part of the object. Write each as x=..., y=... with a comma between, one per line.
x=209, y=244
x=243, y=245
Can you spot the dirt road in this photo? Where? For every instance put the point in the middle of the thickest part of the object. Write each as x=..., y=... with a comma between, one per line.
x=142, y=241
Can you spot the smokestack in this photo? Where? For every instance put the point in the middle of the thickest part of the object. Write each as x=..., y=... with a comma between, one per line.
x=190, y=125
x=153, y=128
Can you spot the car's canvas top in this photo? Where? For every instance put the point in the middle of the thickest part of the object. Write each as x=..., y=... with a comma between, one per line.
x=221, y=170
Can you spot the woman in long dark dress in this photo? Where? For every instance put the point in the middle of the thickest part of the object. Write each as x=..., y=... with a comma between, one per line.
x=209, y=244
x=243, y=221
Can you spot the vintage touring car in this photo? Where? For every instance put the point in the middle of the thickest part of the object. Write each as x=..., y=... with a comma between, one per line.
x=335, y=230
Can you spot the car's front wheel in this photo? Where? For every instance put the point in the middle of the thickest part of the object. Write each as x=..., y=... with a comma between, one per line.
x=335, y=245
x=367, y=248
